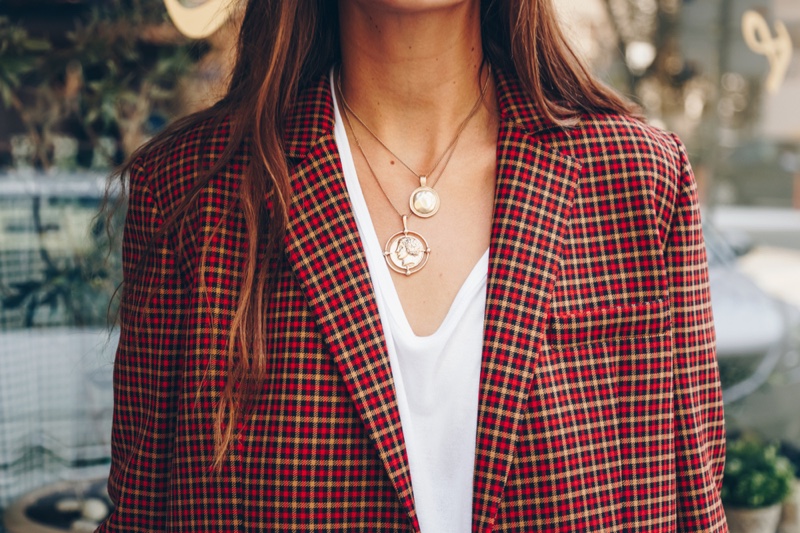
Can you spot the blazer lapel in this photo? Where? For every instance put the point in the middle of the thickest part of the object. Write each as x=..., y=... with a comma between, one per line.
x=533, y=201
x=324, y=250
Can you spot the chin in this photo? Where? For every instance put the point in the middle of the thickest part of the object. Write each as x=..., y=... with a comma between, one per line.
x=411, y=5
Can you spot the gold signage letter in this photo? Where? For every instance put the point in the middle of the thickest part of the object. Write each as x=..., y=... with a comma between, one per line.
x=777, y=48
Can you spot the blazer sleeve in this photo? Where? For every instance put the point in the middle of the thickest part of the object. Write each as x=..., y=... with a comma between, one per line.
x=699, y=426
x=146, y=368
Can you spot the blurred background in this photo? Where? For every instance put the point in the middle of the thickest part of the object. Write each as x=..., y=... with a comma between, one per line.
x=84, y=82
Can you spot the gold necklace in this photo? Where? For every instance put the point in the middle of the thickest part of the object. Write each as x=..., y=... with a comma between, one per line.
x=424, y=201
x=406, y=252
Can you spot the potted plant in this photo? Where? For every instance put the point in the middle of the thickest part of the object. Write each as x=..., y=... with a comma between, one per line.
x=790, y=516
x=757, y=480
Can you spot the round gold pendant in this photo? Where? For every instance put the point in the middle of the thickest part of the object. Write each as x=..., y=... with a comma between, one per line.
x=406, y=252
x=424, y=202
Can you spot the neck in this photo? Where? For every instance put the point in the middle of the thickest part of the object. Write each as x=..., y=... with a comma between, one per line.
x=412, y=70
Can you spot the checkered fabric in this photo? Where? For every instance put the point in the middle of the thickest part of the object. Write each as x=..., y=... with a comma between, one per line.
x=600, y=407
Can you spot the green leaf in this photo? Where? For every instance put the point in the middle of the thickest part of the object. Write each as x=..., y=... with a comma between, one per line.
x=37, y=45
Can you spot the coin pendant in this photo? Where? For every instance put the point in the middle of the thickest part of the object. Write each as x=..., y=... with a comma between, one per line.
x=424, y=202
x=406, y=252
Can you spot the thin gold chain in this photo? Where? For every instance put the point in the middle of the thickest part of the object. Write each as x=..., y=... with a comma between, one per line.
x=450, y=147
x=366, y=159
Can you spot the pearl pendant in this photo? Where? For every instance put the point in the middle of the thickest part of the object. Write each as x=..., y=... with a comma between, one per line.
x=424, y=201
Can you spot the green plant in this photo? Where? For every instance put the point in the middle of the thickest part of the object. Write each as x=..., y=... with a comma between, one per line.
x=19, y=52
x=756, y=475
x=75, y=288
x=112, y=73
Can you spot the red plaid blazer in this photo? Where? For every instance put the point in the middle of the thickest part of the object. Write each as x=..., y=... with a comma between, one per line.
x=600, y=405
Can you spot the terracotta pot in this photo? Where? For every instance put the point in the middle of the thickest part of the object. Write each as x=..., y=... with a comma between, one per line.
x=762, y=520
x=790, y=517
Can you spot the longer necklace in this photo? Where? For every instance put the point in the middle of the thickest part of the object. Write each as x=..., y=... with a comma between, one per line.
x=406, y=252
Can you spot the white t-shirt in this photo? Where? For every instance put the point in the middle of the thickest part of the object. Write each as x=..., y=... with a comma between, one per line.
x=436, y=377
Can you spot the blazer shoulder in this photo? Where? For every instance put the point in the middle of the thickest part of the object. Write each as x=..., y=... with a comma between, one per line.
x=620, y=146
x=624, y=137
x=172, y=167
x=623, y=153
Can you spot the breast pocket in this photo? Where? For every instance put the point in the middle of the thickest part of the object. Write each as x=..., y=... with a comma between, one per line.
x=601, y=403
x=607, y=364
x=621, y=324
x=602, y=394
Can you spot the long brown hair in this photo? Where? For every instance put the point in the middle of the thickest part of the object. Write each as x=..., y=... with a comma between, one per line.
x=284, y=46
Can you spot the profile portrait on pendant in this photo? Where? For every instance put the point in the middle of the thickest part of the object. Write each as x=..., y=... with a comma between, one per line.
x=407, y=253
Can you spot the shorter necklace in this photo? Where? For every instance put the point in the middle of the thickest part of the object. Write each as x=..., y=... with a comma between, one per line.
x=406, y=252
x=424, y=201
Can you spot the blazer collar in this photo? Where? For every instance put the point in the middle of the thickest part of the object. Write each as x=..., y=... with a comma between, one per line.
x=533, y=200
